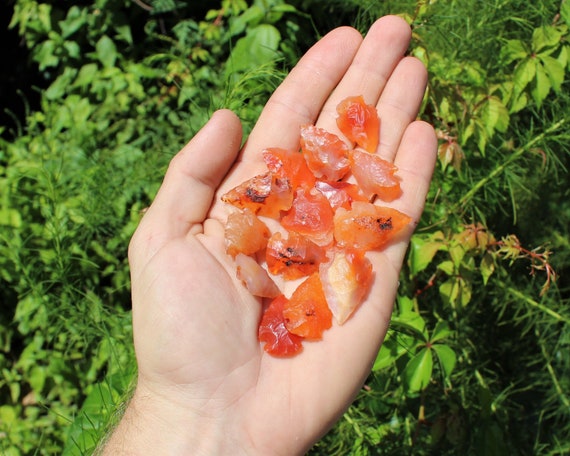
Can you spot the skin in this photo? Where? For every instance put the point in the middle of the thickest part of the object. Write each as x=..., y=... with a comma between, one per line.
x=205, y=385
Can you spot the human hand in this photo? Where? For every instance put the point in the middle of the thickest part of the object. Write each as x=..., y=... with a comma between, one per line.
x=205, y=385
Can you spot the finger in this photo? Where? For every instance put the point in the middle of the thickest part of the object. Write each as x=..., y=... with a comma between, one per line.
x=399, y=104
x=415, y=161
x=382, y=49
x=299, y=99
x=185, y=196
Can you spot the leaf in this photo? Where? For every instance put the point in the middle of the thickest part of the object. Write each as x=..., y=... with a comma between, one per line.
x=44, y=54
x=86, y=75
x=554, y=70
x=446, y=357
x=409, y=319
x=250, y=17
x=59, y=87
x=565, y=11
x=97, y=412
x=541, y=85
x=524, y=73
x=75, y=18
x=487, y=267
x=457, y=252
x=494, y=115
x=513, y=50
x=412, y=322
x=393, y=347
x=106, y=51
x=257, y=48
x=441, y=331
x=455, y=292
x=545, y=37
x=564, y=56
x=417, y=373
x=422, y=250
x=10, y=217
x=519, y=102
x=446, y=267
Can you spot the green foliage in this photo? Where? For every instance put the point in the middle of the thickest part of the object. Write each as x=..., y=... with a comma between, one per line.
x=477, y=356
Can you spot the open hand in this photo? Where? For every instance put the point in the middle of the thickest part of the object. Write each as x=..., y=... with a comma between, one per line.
x=205, y=385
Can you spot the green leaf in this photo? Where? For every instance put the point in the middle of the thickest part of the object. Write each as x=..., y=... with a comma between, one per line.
x=395, y=345
x=106, y=51
x=44, y=55
x=564, y=56
x=541, y=85
x=249, y=18
x=408, y=319
x=257, y=48
x=124, y=32
x=455, y=292
x=59, y=87
x=417, y=373
x=519, y=102
x=405, y=304
x=513, y=50
x=422, y=250
x=494, y=115
x=441, y=331
x=446, y=357
x=457, y=252
x=565, y=11
x=523, y=74
x=10, y=217
x=412, y=322
x=447, y=267
x=74, y=20
x=44, y=16
x=487, y=267
x=97, y=412
x=86, y=75
x=545, y=37
x=554, y=70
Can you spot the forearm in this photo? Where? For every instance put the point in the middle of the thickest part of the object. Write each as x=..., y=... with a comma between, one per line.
x=152, y=426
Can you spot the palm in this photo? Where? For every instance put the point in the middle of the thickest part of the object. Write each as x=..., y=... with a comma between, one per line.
x=195, y=325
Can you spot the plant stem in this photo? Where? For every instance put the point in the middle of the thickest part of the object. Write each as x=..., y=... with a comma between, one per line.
x=553, y=376
x=538, y=305
x=517, y=153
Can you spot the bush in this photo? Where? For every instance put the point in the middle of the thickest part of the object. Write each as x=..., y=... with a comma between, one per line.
x=476, y=359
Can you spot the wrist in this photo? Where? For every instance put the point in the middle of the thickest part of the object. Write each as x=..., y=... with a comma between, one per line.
x=154, y=424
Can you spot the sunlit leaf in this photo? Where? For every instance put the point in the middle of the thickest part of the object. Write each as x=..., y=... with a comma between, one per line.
x=565, y=11
x=554, y=70
x=541, y=85
x=446, y=357
x=455, y=292
x=494, y=115
x=513, y=50
x=441, y=331
x=524, y=73
x=249, y=18
x=258, y=47
x=447, y=267
x=487, y=267
x=74, y=20
x=422, y=250
x=106, y=51
x=412, y=322
x=417, y=373
x=394, y=346
x=545, y=37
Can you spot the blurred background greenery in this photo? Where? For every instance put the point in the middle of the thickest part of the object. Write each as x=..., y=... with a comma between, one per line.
x=97, y=96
